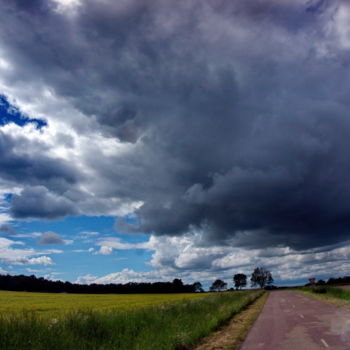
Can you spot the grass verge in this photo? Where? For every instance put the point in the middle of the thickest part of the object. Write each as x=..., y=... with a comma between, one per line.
x=332, y=295
x=232, y=335
x=167, y=327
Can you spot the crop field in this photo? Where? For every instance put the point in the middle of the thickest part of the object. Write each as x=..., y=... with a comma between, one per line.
x=54, y=304
x=114, y=322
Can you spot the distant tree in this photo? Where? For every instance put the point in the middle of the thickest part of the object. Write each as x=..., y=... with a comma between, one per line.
x=312, y=281
x=261, y=277
x=331, y=280
x=321, y=283
x=177, y=282
x=218, y=286
x=240, y=280
x=177, y=285
x=198, y=287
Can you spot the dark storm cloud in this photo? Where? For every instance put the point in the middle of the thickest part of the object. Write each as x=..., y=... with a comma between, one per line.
x=240, y=110
x=38, y=202
x=21, y=161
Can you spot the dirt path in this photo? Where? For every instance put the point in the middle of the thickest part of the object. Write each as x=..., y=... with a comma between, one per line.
x=231, y=336
x=291, y=321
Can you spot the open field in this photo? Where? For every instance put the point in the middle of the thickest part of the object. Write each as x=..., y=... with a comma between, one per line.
x=53, y=304
x=172, y=325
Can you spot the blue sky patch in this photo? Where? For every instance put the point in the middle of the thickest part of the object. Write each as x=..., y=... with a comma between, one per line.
x=9, y=113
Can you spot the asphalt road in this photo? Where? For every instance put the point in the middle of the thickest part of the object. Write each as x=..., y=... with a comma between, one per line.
x=291, y=321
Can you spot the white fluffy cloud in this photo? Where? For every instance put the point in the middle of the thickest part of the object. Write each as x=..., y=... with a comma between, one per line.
x=190, y=258
x=10, y=253
x=126, y=275
x=105, y=250
x=41, y=260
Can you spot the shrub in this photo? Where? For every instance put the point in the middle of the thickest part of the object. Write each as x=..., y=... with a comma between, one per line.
x=319, y=290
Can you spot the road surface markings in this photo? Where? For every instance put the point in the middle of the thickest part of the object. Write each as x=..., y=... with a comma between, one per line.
x=324, y=343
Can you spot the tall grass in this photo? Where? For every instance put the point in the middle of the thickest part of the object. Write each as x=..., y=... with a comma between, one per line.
x=172, y=326
x=331, y=291
x=333, y=295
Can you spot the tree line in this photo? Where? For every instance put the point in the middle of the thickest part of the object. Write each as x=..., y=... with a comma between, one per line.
x=260, y=277
x=40, y=284
x=331, y=281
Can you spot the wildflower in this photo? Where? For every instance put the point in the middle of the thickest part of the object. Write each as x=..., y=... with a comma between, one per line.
x=53, y=322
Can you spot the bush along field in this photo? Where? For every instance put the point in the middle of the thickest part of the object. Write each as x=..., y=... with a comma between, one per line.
x=176, y=325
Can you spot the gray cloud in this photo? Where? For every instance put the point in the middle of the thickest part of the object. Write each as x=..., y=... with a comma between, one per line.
x=23, y=161
x=7, y=229
x=38, y=202
x=50, y=238
x=236, y=114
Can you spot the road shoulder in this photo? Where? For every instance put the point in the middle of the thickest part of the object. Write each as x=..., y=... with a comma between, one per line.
x=232, y=335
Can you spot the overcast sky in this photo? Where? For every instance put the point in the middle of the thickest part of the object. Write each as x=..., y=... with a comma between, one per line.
x=148, y=140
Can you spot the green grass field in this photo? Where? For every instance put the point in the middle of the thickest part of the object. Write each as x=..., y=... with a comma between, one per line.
x=328, y=293
x=53, y=304
x=333, y=295
x=172, y=322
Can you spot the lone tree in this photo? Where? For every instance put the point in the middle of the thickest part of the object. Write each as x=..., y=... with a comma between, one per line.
x=261, y=277
x=240, y=280
x=218, y=286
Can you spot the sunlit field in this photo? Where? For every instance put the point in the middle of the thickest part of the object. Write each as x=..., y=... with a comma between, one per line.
x=118, y=322
x=51, y=304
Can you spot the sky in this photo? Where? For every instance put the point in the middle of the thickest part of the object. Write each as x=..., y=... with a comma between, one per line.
x=152, y=140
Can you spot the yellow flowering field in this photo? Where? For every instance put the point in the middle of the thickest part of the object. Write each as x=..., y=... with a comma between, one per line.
x=57, y=303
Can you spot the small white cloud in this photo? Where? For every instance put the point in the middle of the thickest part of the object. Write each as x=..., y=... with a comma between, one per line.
x=105, y=250
x=41, y=260
x=89, y=233
x=68, y=241
x=90, y=250
x=117, y=244
x=33, y=270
